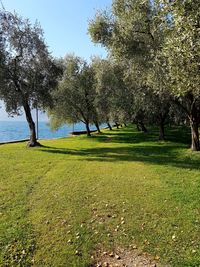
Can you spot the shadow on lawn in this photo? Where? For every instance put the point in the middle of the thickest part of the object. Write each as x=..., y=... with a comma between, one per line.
x=152, y=152
x=160, y=154
x=131, y=136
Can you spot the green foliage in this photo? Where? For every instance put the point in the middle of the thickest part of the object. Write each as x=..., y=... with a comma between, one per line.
x=75, y=95
x=29, y=72
x=182, y=46
x=100, y=28
x=159, y=40
x=129, y=27
x=110, y=89
x=104, y=86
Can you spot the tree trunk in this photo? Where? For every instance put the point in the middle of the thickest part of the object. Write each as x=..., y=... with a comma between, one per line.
x=194, y=123
x=117, y=125
x=97, y=126
x=193, y=115
x=109, y=126
x=161, y=120
x=162, y=130
x=195, y=146
x=138, y=127
x=143, y=128
x=33, y=140
x=87, y=129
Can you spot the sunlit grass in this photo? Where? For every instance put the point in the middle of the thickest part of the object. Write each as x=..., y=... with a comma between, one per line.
x=121, y=188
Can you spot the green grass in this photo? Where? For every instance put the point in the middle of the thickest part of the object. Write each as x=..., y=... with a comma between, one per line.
x=71, y=193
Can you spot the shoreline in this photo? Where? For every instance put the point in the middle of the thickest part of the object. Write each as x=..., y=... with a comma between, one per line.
x=26, y=140
x=63, y=134
x=13, y=141
x=72, y=134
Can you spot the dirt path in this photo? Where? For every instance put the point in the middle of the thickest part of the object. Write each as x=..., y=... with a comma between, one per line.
x=124, y=258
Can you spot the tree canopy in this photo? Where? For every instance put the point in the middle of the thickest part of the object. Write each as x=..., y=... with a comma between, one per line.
x=75, y=94
x=28, y=70
x=152, y=69
x=161, y=38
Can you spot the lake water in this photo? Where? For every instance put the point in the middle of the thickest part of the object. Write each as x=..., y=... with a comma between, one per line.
x=18, y=130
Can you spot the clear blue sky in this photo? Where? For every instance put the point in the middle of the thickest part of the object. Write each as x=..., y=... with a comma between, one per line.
x=65, y=24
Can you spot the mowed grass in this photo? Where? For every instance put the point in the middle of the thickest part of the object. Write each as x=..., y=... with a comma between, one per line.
x=63, y=201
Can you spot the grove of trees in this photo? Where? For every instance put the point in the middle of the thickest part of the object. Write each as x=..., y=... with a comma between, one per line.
x=151, y=74
x=159, y=41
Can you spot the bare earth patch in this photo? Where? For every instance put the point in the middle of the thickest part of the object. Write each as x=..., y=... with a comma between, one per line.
x=124, y=258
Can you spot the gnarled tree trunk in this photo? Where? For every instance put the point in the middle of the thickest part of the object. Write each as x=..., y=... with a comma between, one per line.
x=195, y=146
x=97, y=126
x=162, y=131
x=143, y=128
x=33, y=140
x=137, y=126
x=193, y=114
x=117, y=125
x=109, y=126
x=194, y=117
x=87, y=129
x=194, y=125
x=161, y=121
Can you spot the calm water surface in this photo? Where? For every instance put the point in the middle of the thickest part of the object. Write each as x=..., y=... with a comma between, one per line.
x=17, y=130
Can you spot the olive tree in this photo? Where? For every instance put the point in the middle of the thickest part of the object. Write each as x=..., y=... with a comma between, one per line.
x=130, y=34
x=182, y=51
x=110, y=90
x=152, y=32
x=74, y=97
x=104, y=88
x=28, y=72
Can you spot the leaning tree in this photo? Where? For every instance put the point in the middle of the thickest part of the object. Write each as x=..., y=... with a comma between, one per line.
x=28, y=72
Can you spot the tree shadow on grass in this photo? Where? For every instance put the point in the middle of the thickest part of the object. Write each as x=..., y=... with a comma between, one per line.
x=159, y=154
x=130, y=135
x=142, y=148
x=127, y=135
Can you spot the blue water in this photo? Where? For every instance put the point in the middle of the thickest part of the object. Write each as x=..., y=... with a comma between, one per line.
x=18, y=130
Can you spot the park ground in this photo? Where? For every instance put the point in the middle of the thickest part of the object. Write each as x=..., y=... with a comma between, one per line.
x=74, y=199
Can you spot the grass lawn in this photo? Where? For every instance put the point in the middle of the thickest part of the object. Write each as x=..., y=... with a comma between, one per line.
x=76, y=195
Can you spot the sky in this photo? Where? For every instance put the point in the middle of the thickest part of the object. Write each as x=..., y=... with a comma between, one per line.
x=65, y=24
